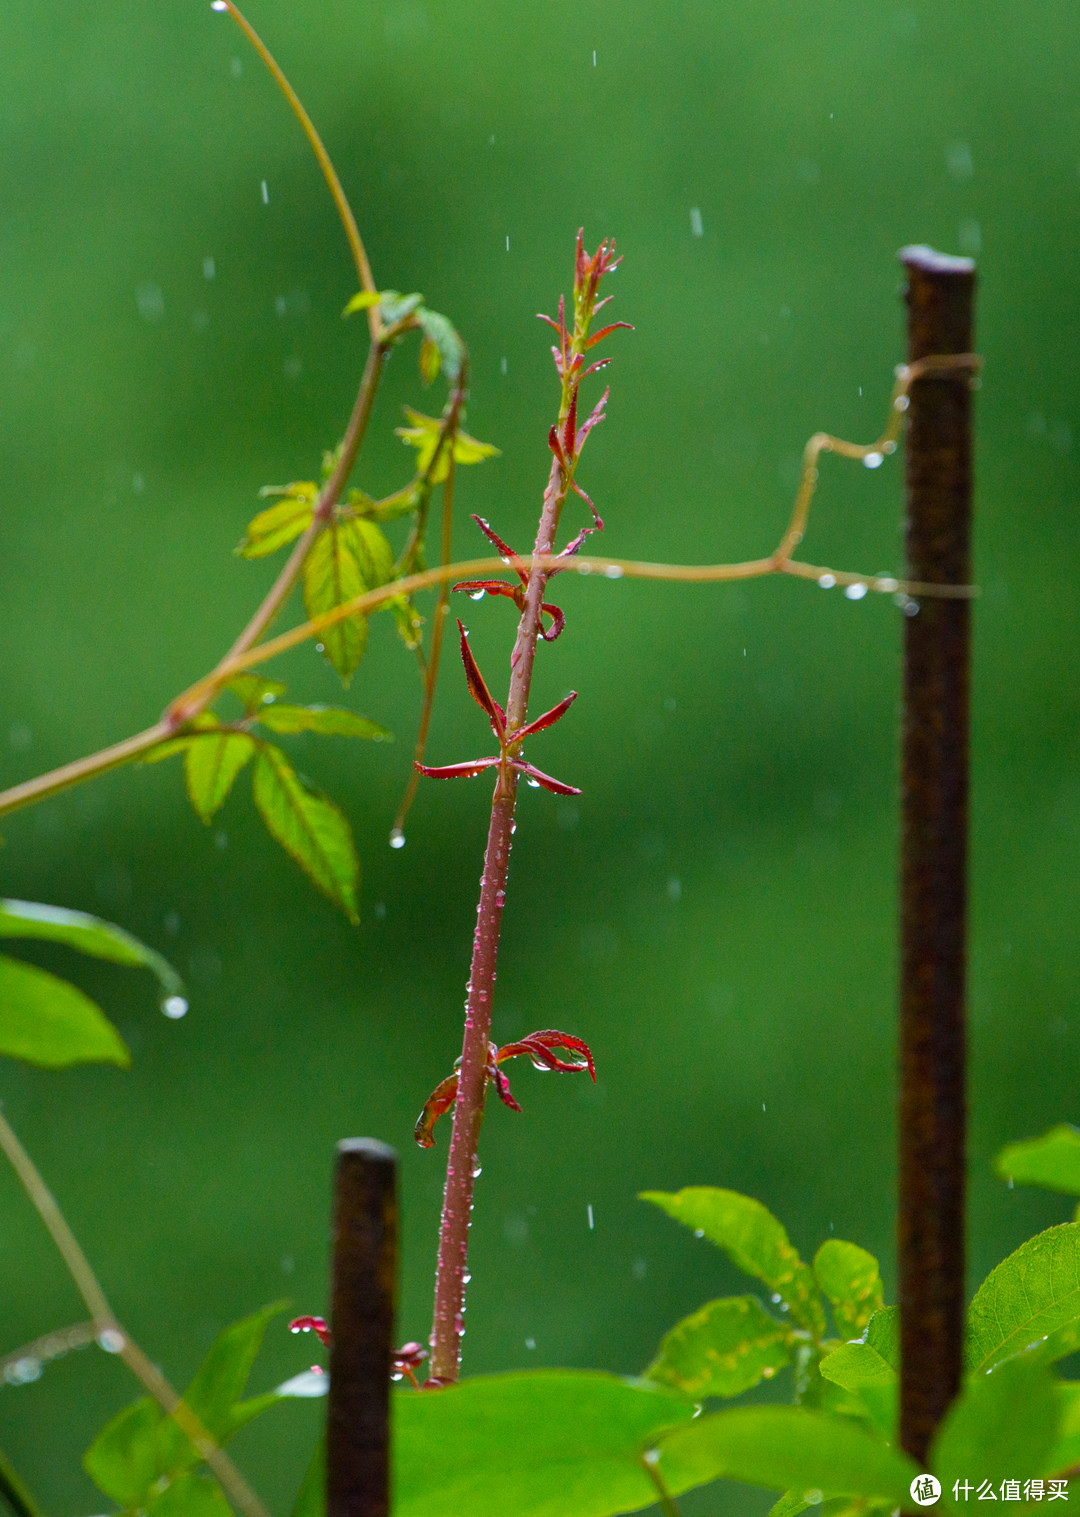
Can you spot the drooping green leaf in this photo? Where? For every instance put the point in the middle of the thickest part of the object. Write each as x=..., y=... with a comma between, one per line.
x=46, y=1021
x=311, y=1497
x=190, y=1495
x=122, y=1460
x=753, y=1239
x=534, y=1445
x=281, y=523
x=424, y=436
x=211, y=764
x=786, y=1447
x=309, y=826
x=331, y=720
x=722, y=1350
x=448, y=346
x=362, y=301
x=1031, y=1295
x=346, y=559
x=850, y=1277
x=871, y=1369
x=1052, y=1161
x=89, y=934
x=1002, y=1426
x=255, y=690
x=395, y=307
x=214, y=1394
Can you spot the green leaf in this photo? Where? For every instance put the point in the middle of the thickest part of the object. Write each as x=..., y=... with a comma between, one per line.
x=309, y=826
x=871, y=1369
x=1052, y=1161
x=395, y=307
x=214, y=1394
x=362, y=301
x=1031, y=1295
x=122, y=1460
x=1066, y=1450
x=279, y=524
x=448, y=346
x=791, y=1503
x=46, y=1021
x=783, y=1447
x=254, y=690
x=346, y=559
x=430, y=361
x=533, y=1445
x=334, y=721
x=722, y=1350
x=1002, y=1426
x=850, y=1277
x=206, y=721
x=191, y=1495
x=753, y=1239
x=89, y=934
x=311, y=1497
x=424, y=435
x=14, y=1492
x=211, y=765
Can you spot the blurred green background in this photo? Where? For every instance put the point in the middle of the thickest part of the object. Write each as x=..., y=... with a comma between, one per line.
x=716, y=912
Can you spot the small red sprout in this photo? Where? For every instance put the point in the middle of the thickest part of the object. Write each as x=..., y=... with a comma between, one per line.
x=516, y=593
x=406, y=1361
x=508, y=740
x=538, y=1046
x=311, y=1325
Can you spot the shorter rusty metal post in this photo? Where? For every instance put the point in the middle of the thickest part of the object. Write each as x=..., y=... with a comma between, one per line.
x=362, y=1293
x=933, y=852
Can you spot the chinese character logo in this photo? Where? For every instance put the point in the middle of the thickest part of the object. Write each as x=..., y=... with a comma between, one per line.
x=925, y=1490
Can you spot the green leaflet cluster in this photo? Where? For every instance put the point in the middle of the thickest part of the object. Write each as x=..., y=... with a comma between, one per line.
x=300, y=817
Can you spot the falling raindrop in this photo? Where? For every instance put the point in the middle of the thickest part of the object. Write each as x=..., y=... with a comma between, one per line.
x=874, y=460
x=530, y=1342
x=397, y=838
x=589, y=1213
x=265, y=192
x=174, y=1007
x=696, y=227
x=827, y=581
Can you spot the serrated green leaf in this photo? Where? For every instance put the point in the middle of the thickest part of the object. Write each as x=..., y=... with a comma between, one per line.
x=532, y=1445
x=333, y=721
x=753, y=1239
x=361, y=302
x=1002, y=1426
x=46, y=1021
x=88, y=934
x=309, y=826
x=1030, y=1296
x=1052, y=1161
x=206, y=721
x=722, y=1350
x=311, y=1497
x=190, y=1495
x=781, y=1447
x=870, y=1369
x=211, y=765
x=122, y=1460
x=448, y=346
x=850, y=1277
x=254, y=690
x=333, y=575
x=214, y=1394
x=423, y=435
x=372, y=551
x=280, y=524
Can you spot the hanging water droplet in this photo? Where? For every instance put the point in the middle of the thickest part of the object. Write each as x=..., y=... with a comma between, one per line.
x=885, y=583
x=901, y=403
x=699, y=1232
x=478, y=1170
x=532, y=784
x=112, y=1341
x=477, y=594
x=775, y=1297
x=856, y=591
x=888, y=447
x=826, y=581
x=873, y=460
x=397, y=838
x=912, y=608
x=218, y=5
x=613, y=571
x=174, y=1007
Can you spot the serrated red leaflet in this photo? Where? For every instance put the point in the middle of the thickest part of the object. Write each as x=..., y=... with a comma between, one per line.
x=594, y=368
x=595, y=416
x=574, y=545
x=488, y=586
x=539, y=1046
x=607, y=331
x=505, y=550
x=596, y=514
x=558, y=622
x=555, y=444
x=464, y=771
x=480, y=692
x=554, y=325
x=555, y=786
x=548, y=719
x=437, y=1104
x=569, y=436
x=502, y=1085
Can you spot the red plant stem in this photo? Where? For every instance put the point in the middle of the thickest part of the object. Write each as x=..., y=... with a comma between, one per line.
x=451, y=1274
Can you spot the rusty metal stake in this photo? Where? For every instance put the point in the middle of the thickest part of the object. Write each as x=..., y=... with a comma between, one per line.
x=933, y=852
x=362, y=1291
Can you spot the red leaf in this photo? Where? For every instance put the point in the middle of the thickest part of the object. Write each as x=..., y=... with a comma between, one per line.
x=595, y=416
x=594, y=368
x=464, y=771
x=569, y=436
x=311, y=1325
x=437, y=1104
x=480, y=692
x=555, y=786
x=606, y=331
x=596, y=514
x=556, y=446
x=548, y=719
x=502, y=1085
x=493, y=537
x=558, y=622
x=573, y=546
x=539, y=1047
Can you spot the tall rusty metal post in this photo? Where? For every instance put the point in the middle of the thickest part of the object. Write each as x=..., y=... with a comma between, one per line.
x=362, y=1291
x=933, y=852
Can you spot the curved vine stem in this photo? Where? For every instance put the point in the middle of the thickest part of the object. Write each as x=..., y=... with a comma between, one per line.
x=113, y=1337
